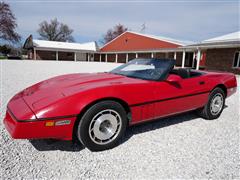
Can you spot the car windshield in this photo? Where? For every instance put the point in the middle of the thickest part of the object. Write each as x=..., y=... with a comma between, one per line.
x=148, y=69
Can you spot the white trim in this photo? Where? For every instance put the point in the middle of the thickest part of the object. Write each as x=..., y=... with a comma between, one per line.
x=212, y=46
x=116, y=58
x=90, y=46
x=148, y=51
x=175, y=56
x=75, y=56
x=34, y=54
x=106, y=58
x=63, y=50
x=183, y=59
x=100, y=58
x=56, y=55
x=193, y=60
x=126, y=57
x=198, y=59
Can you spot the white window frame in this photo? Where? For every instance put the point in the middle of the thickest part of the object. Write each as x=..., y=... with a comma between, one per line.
x=238, y=61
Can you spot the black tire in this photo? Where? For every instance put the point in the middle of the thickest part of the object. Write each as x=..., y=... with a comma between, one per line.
x=84, y=134
x=206, y=111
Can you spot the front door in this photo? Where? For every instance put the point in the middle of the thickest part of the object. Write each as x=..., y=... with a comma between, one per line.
x=172, y=98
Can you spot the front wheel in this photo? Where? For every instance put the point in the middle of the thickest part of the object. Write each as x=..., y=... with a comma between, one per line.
x=102, y=125
x=214, y=106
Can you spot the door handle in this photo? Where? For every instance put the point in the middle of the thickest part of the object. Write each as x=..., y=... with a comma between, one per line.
x=201, y=82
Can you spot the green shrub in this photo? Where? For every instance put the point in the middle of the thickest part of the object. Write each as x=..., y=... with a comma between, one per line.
x=3, y=57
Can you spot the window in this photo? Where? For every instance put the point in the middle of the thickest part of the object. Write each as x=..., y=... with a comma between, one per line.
x=236, y=60
x=147, y=69
x=69, y=54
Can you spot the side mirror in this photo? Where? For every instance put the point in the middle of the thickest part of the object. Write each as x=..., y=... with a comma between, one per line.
x=172, y=78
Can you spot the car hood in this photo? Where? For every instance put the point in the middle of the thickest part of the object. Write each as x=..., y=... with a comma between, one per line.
x=49, y=91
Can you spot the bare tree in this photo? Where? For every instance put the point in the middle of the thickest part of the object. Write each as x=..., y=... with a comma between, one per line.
x=55, y=31
x=8, y=24
x=143, y=28
x=114, y=32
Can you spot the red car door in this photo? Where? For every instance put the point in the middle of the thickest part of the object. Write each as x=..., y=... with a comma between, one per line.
x=176, y=97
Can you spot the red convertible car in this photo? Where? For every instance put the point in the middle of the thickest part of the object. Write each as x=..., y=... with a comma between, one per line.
x=97, y=108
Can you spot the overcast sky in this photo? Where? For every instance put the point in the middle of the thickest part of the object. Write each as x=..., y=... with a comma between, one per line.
x=186, y=20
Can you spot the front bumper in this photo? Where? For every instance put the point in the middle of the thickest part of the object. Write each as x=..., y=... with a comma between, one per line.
x=37, y=129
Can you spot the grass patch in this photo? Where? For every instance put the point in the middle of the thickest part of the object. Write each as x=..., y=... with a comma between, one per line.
x=3, y=57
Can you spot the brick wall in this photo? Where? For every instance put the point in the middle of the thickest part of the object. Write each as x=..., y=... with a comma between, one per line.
x=131, y=56
x=179, y=59
x=221, y=59
x=103, y=57
x=122, y=58
x=160, y=55
x=65, y=56
x=111, y=58
x=51, y=55
x=170, y=55
x=45, y=55
x=97, y=57
x=188, y=59
x=133, y=42
x=144, y=55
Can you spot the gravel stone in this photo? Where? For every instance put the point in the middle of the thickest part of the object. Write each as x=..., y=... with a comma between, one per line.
x=184, y=146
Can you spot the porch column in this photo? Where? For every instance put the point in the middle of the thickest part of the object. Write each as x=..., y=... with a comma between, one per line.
x=100, y=57
x=116, y=58
x=175, y=55
x=106, y=58
x=127, y=57
x=198, y=59
x=136, y=55
x=183, y=59
x=75, y=56
x=152, y=55
x=88, y=57
x=34, y=54
x=193, y=60
x=56, y=55
x=92, y=59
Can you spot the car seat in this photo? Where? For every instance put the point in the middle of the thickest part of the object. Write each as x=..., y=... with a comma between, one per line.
x=184, y=73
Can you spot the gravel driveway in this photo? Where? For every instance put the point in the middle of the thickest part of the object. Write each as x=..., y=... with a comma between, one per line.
x=184, y=146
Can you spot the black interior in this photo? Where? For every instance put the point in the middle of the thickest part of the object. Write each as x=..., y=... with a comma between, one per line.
x=186, y=73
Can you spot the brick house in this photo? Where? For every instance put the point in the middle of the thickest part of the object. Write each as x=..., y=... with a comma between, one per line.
x=219, y=53
x=130, y=45
x=222, y=53
x=64, y=51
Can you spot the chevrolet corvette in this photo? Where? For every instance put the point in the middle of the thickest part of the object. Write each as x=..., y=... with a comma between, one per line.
x=96, y=108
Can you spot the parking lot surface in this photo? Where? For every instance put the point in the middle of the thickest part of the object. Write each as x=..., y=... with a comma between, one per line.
x=184, y=146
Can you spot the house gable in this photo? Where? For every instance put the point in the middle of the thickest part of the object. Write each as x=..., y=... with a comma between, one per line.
x=129, y=41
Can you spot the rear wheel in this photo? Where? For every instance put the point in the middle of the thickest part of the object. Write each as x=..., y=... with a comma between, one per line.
x=214, y=106
x=102, y=125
